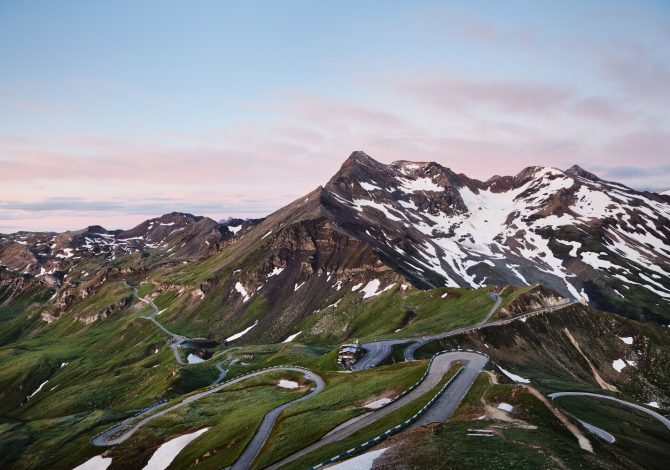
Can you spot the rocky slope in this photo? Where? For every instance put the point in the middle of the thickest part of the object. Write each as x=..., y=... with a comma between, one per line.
x=578, y=348
x=568, y=230
x=373, y=227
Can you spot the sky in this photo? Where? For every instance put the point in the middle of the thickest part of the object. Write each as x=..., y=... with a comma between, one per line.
x=112, y=112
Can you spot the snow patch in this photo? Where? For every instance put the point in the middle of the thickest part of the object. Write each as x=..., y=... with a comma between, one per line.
x=240, y=288
x=505, y=406
x=235, y=228
x=370, y=288
x=419, y=184
x=626, y=339
x=275, y=272
x=514, y=377
x=369, y=186
x=653, y=404
x=193, y=359
x=67, y=253
x=283, y=383
x=292, y=337
x=166, y=453
x=95, y=463
x=377, y=403
x=241, y=333
x=618, y=365
x=361, y=462
x=38, y=389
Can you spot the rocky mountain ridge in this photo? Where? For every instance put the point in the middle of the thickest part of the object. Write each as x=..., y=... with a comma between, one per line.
x=568, y=230
x=375, y=227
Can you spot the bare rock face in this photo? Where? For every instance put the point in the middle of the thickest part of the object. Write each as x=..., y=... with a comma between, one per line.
x=106, y=312
x=418, y=223
x=536, y=298
x=568, y=230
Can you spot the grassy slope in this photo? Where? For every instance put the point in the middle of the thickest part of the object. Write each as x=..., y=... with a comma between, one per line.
x=232, y=415
x=413, y=312
x=640, y=437
x=369, y=432
x=344, y=395
x=540, y=350
x=534, y=439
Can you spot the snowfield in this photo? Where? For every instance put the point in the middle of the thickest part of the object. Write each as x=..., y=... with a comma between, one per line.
x=504, y=227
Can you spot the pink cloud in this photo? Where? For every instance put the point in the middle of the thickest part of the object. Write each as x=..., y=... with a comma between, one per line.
x=459, y=94
x=477, y=127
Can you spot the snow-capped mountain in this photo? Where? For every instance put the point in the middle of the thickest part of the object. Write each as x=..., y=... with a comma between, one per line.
x=379, y=226
x=569, y=230
x=175, y=235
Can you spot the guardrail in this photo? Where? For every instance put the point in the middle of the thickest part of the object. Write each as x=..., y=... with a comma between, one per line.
x=399, y=427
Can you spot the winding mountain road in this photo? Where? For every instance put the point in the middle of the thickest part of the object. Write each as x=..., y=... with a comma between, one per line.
x=377, y=351
x=411, y=349
x=176, y=341
x=601, y=433
x=446, y=404
x=254, y=447
x=665, y=421
x=119, y=433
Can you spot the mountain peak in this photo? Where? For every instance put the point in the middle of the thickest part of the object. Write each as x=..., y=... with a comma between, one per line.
x=576, y=170
x=359, y=156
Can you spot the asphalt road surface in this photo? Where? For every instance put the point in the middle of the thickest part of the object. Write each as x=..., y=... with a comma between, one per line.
x=253, y=448
x=411, y=349
x=447, y=403
x=665, y=421
x=121, y=432
x=177, y=340
x=375, y=352
x=601, y=433
x=438, y=368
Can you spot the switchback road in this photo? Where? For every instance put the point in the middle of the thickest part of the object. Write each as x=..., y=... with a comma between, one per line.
x=438, y=368
x=121, y=432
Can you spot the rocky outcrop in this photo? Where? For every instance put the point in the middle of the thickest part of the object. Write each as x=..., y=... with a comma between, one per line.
x=536, y=298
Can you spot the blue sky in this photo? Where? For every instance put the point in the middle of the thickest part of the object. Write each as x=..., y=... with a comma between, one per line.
x=223, y=108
